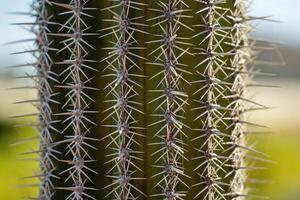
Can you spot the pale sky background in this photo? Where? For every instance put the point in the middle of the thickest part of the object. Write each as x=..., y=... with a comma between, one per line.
x=286, y=11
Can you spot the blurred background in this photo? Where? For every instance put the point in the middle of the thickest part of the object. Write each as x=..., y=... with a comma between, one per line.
x=282, y=179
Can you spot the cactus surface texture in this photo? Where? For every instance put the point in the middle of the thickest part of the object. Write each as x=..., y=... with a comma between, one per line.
x=143, y=99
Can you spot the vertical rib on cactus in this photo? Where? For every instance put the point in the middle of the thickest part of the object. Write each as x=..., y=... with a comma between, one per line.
x=75, y=81
x=43, y=75
x=222, y=99
x=211, y=96
x=46, y=96
x=41, y=80
x=241, y=46
x=171, y=100
x=121, y=62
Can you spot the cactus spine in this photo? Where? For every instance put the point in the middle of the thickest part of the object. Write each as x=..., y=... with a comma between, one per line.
x=208, y=97
x=240, y=45
x=121, y=64
x=76, y=108
x=164, y=118
x=169, y=48
x=45, y=94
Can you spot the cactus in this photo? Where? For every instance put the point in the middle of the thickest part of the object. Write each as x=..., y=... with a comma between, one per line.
x=143, y=99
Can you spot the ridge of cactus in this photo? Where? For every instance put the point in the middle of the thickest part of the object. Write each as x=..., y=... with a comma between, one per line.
x=75, y=81
x=225, y=53
x=40, y=78
x=169, y=98
x=122, y=67
x=240, y=44
x=47, y=151
x=212, y=88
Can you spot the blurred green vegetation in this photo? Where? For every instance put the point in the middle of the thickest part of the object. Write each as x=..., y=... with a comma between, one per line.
x=284, y=149
x=12, y=168
x=283, y=177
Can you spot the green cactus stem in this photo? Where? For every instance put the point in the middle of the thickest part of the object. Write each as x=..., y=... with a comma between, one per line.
x=143, y=99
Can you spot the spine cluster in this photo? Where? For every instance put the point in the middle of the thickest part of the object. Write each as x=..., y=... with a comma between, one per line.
x=170, y=98
x=224, y=75
x=238, y=106
x=44, y=63
x=41, y=79
x=223, y=40
x=123, y=67
x=75, y=81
